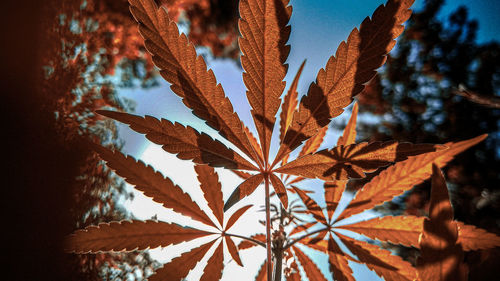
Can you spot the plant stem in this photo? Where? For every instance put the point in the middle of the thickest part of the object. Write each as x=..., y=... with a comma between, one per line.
x=268, y=230
x=247, y=238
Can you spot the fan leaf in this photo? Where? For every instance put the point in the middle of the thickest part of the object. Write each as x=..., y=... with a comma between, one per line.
x=179, y=65
x=310, y=268
x=233, y=250
x=311, y=205
x=345, y=74
x=236, y=216
x=152, y=184
x=264, y=33
x=404, y=230
x=440, y=254
x=314, y=142
x=302, y=227
x=333, y=194
x=129, y=236
x=352, y=161
x=472, y=238
x=179, y=267
x=213, y=270
x=185, y=142
x=338, y=262
x=212, y=190
x=386, y=265
x=280, y=189
x=244, y=189
x=290, y=102
x=349, y=135
x=402, y=176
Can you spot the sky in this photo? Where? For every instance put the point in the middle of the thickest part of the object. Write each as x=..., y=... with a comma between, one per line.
x=317, y=29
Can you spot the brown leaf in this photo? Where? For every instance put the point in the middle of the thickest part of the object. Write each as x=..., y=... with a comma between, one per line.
x=179, y=65
x=472, y=238
x=333, y=194
x=294, y=275
x=241, y=174
x=185, y=142
x=352, y=161
x=212, y=190
x=179, y=267
x=349, y=135
x=440, y=254
x=289, y=103
x=345, y=74
x=244, y=189
x=264, y=33
x=213, y=270
x=381, y=261
x=152, y=184
x=255, y=144
x=233, y=251
x=338, y=262
x=404, y=230
x=402, y=176
x=310, y=268
x=262, y=274
x=246, y=244
x=280, y=189
x=302, y=227
x=129, y=236
x=236, y=216
x=311, y=205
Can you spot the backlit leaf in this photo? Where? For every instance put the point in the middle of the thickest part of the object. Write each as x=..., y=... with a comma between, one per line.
x=244, y=189
x=402, y=176
x=352, y=161
x=314, y=142
x=179, y=267
x=213, y=270
x=333, y=194
x=264, y=33
x=233, y=250
x=280, y=189
x=302, y=227
x=349, y=135
x=311, y=205
x=310, y=268
x=179, y=65
x=236, y=216
x=472, y=238
x=345, y=74
x=290, y=102
x=129, y=235
x=152, y=184
x=403, y=230
x=338, y=262
x=212, y=190
x=185, y=142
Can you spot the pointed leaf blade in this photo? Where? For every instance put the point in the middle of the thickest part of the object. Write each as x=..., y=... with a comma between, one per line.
x=129, y=236
x=290, y=102
x=179, y=65
x=185, y=142
x=215, y=265
x=402, y=176
x=245, y=244
x=280, y=189
x=333, y=194
x=314, y=142
x=310, y=268
x=349, y=135
x=472, y=238
x=244, y=189
x=212, y=190
x=311, y=205
x=264, y=30
x=233, y=250
x=339, y=265
x=236, y=216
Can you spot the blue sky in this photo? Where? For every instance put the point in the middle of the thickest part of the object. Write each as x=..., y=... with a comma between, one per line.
x=317, y=29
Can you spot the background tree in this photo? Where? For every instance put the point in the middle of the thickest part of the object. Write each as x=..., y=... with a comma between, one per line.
x=415, y=95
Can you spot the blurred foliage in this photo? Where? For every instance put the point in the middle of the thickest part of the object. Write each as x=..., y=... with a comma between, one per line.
x=415, y=97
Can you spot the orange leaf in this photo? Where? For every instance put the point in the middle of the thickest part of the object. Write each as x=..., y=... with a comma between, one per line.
x=246, y=244
x=345, y=74
x=241, y=174
x=255, y=144
x=310, y=268
x=314, y=142
x=244, y=189
x=440, y=254
x=333, y=193
x=338, y=262
x=280, y=189
x=289, y=103
x=343, y=162
x=472, y=238
x=300, y=228
x=262, y=274
x=402, y=176
x=403, y=230
x=152, y=184
x=381, y=261
x=179, y=267
x=236, y=216
x=186, y=142
x=311, y=205
x=349, y=135
x=129, y=236
x=212, y=190
x=213, y=270
x=179, y=65
x=264, y=33
x=233, y=251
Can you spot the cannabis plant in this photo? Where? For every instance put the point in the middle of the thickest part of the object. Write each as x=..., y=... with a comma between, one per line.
x=264, y=34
